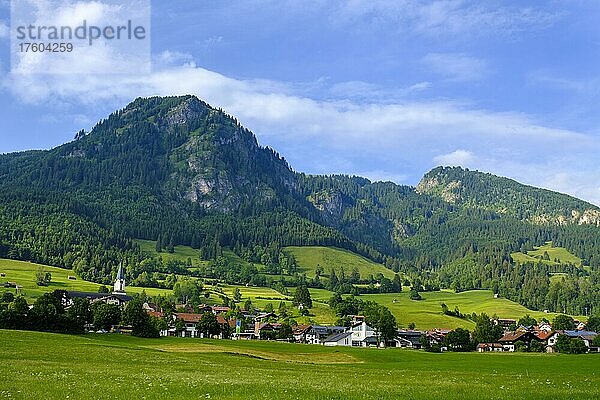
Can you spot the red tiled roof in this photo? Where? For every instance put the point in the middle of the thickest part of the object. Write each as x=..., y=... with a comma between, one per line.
x=543, y=335
x=511, y=336
x=188, y=317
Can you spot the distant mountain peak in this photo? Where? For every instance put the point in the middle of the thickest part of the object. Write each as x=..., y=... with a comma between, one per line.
x=477, y=189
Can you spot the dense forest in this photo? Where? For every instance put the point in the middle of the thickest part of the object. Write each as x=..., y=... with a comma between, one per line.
x=181, y=172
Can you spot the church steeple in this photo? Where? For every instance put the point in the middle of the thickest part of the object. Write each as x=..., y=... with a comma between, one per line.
x=120, y=281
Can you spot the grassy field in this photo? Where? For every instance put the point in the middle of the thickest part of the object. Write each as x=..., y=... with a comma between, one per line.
x=560, y=253
x=23, y=273
x=181, y=253
x=321, y=313
x=332, y=258
x=50, y=366
x=427, y=314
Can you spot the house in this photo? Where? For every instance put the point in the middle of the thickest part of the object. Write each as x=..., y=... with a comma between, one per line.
x=363, y=335
x=544, y=326
x=339, y=339
x=318, y=333
x=487, y=347
x=551, y=341
x=437, y=336
x=300, y=332
x=409, y=339
x=190, y=320
x=314, y=334
x=267, y=330
x=587, y=337
x=510, y=339
x=220, y=310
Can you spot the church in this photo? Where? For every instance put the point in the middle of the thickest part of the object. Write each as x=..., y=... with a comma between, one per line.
x=117, y=297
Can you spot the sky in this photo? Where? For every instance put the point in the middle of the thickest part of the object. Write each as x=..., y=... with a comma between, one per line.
x=382, y=89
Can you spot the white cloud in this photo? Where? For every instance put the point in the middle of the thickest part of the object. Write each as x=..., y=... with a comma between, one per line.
x=376, y=139
x=4, y=30
x=457, y=66
x=104, y=56
x=372, y=92
x=457, y=158
x=444, y=18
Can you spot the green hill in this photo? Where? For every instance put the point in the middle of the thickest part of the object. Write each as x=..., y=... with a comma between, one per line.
x=309, y=257
x=23, y=274
x=426, y=313
x=554, y=253
x=181, y=253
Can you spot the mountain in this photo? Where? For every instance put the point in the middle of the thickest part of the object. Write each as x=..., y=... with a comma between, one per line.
x=178, y=171
x=506, y=196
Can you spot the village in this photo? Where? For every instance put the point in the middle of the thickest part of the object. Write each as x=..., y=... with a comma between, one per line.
x=221, y=322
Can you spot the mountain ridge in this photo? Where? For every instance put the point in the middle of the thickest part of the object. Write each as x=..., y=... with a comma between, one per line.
x=179, y=170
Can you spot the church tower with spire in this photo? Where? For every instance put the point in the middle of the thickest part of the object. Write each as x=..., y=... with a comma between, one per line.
x=120, y=282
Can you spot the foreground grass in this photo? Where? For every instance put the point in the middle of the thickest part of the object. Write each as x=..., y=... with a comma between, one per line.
x=49, y=366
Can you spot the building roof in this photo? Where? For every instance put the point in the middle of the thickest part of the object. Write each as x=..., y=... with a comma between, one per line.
x=337, y=337
x=301, y=329
x=582, y=334
x=513, y=336
x=189, y=317
x=156, y=314
x=544, y=335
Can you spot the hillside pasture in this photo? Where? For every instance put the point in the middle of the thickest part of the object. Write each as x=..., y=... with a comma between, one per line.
x=309, y=257
x=555, y=253
x=23, y=273
x=427, y=313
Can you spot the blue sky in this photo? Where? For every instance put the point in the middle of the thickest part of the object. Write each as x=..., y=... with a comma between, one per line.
x=383, y=89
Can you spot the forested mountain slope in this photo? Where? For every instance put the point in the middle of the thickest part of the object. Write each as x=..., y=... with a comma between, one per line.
x=179, y=171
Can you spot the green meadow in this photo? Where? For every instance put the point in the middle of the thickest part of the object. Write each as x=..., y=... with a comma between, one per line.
x=309, y=257
x=321, y=313
x=180, y=253
x=50, y=366
x=560, y=253
x=23, y=273
x=426, y=313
